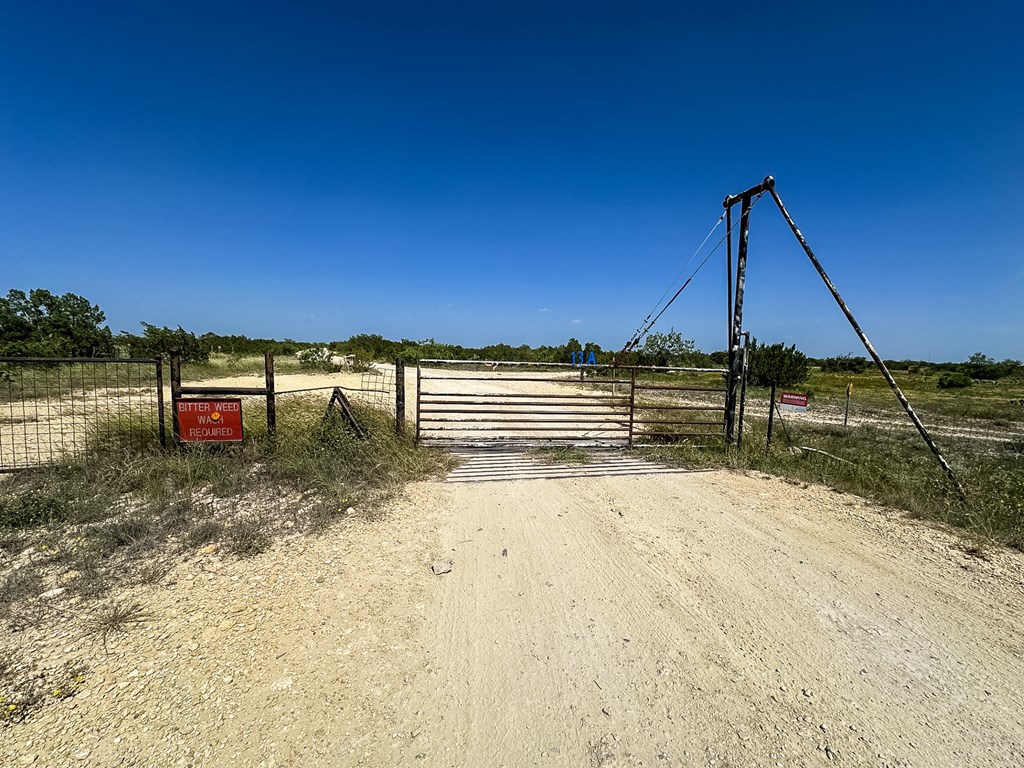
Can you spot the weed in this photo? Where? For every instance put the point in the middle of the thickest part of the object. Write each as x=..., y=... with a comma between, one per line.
x=152, y=571
x=133, y=532
x=203, y=532
x=115, y=618
x=33, y=508
x=24, y=689
x=248, y=535
x=17, y=589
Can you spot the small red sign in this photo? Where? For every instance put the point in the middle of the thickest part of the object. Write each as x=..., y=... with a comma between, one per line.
x=793, y=400
x=203, y=420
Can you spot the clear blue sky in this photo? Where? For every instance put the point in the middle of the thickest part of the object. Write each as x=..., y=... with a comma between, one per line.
x=520, y=172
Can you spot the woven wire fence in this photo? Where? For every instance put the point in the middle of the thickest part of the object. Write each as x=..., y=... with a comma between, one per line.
x=52, y=408
x=377, y=388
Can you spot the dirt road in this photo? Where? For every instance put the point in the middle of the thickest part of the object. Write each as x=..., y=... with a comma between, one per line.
x=623, y=618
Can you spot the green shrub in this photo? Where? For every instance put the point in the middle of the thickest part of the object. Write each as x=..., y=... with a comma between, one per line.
x=953, y=380
x=785, y=366
x=32, y=508
x=845, y=364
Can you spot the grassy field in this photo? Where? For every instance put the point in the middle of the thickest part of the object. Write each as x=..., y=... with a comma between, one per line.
x=880, y=455
x=223, y=365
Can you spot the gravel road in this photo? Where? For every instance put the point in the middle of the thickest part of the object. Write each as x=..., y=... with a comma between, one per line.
x=628, y=619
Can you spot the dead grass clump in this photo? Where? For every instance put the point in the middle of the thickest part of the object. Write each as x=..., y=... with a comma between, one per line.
x=18, y=591
x=115, y=618
x=248, y=535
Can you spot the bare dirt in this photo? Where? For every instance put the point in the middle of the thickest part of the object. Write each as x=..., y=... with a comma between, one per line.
x=626, y=619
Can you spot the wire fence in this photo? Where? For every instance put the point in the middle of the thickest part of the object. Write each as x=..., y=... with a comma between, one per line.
x=377, y=388
x=52, y=408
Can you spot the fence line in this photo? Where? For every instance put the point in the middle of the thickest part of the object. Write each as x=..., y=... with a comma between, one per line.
x=54, y=407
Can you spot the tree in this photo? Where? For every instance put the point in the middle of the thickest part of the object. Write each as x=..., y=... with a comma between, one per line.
x=668, y=348
x=845, y=364
x=571, y=347
x=43, y=324
x=785, y=366
x=981, y=366
x=155, y=342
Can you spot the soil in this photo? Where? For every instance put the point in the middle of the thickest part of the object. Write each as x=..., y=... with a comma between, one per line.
x=619, y=619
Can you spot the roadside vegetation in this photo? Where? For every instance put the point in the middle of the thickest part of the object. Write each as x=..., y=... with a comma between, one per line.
x=880, y=456
x=74, y=535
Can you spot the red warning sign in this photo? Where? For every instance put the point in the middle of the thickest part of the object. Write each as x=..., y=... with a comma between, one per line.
x=793, y=401
x=203, y=420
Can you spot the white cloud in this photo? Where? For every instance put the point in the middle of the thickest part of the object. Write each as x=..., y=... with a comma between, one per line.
x=543, y=309
x=577, y=322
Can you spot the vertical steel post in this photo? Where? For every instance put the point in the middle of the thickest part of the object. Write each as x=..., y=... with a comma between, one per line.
x=735, y=361
x=399, y=397
x=771, y=416
x=175, y=395
x=160, y=400
x=268, y=368
x=728, y=273
x=743, y=390
x=632, y=403
x=418, y=375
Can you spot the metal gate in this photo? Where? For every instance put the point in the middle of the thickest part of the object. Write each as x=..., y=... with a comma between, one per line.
x=512, y=403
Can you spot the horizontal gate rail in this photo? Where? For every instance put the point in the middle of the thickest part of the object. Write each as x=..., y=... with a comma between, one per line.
x=598, y=419
x=511, y=395
x=653, y=407
x=600, y=406
x=477, y=411
x=679, y=389
x=499, y=377
x=653, y=420
x=522, y=427
x=688, y=423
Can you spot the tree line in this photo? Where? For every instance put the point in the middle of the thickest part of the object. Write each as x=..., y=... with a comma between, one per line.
x=44, y=324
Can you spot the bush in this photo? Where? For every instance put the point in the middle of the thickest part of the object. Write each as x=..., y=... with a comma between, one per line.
x=982, y=367
x=953, y=380
x=845, y=364
x=785, y=366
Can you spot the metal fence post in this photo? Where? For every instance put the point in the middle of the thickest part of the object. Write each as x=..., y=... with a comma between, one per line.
x=175, y=395
x=268, y=365
x=399, y=397
x=418, y=373
x=632, y=403
x=743, y=390
x=771, y=415
x=160, y=401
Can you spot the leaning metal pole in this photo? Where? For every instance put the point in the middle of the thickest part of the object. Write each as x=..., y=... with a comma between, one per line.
x=735, y=358
x=868, y=346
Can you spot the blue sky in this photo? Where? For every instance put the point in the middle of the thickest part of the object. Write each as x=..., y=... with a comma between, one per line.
x=518, y=172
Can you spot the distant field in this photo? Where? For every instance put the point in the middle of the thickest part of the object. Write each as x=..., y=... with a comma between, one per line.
x=879, y=454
